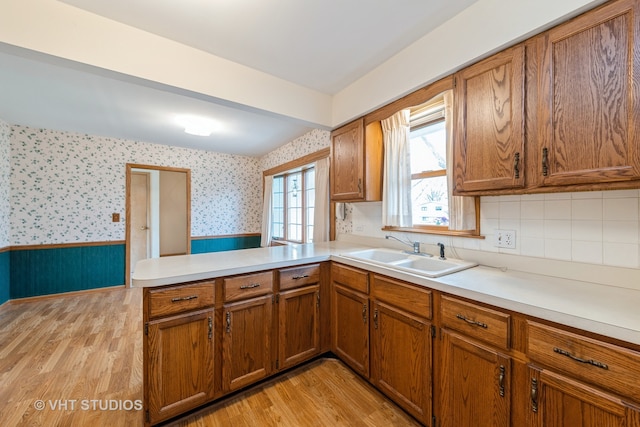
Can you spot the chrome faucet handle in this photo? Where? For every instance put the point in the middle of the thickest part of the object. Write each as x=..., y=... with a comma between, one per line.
x=442, y=251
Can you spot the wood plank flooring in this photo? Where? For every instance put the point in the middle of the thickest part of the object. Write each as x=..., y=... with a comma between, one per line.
x=80, y=356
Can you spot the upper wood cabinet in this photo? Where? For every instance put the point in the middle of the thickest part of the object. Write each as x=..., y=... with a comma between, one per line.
x=489, y=138
x=356, y=162
x=588, y=77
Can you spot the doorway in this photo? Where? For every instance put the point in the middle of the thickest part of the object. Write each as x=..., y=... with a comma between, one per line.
x=158, y=214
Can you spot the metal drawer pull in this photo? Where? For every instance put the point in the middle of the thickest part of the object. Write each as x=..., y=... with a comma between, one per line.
x=228, y=321
x=516, y=165
x=300, y=277
x=210, y=322
x=472, y=322
x=501, y=380
x=251, y=286
x=534, y=395
x=578, y=359
x=178, y=299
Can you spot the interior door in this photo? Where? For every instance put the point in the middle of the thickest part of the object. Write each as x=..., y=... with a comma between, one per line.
x=139, y=217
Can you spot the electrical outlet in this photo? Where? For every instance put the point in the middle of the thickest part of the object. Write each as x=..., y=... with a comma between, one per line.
x=505, y=239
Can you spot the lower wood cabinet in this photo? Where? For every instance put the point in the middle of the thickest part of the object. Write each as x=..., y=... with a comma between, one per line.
x=401, y=358
x=298, y=325
x=246, y=342
x=467, y=365
x=179, y=365
x=475, y=383
x=350, y=327
x=559, y=401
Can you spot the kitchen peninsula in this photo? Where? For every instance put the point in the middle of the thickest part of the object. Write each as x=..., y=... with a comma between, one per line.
x=218, y=322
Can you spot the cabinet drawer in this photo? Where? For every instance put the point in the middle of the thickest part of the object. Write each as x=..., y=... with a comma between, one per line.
x=481, y=323
x=247, y=286
x=298, y=276
x=350, y=277
x=410, y=298
x=177, y=299
x=596, y=362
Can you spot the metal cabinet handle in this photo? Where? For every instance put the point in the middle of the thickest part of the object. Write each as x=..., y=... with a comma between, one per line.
x=360, y=185
x=228, y=321
x=210, y=327
x=545, y=161
x=501, y=380
x=472, y=322
x=300, y=277
x=179, y=299
x=534, y=395
x=375, y=318
x=581, y=360
x=251, y=286
x=516, y=165
x=364, y=313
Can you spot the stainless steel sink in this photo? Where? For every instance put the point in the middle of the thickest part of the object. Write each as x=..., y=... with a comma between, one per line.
x=416, y=264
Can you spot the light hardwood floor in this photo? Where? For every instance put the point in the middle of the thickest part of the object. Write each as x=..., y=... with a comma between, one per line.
x=85, y=351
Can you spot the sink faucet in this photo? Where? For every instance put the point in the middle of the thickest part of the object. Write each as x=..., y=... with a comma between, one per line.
x=416, y=245
x=442, y=251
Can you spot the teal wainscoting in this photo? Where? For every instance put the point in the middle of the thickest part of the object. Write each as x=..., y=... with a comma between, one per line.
x=224, y=243
x=5, y=283
x=35, y=272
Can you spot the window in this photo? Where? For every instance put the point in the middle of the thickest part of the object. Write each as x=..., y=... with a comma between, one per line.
x=293, y=204
x=429, y=194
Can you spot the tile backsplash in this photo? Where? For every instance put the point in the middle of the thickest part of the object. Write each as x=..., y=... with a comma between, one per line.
x=598, y=227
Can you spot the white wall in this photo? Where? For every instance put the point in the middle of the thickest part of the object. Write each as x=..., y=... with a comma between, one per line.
x=597, y=227
x=64, y=187
x=5, y=186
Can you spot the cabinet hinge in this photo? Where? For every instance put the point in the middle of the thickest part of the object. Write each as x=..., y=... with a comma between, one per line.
x=433, y=331
x=146, y=328
x=277, y=298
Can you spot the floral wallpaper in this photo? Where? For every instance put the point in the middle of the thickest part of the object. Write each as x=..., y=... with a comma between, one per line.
x=65, y=186
x=5, y=195
x=308, y=143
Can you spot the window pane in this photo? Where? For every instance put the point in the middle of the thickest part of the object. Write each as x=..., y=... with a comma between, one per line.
x=429, y=148
x=310, y=199
x=294, y=207
x=277, y=211
x=430, y=201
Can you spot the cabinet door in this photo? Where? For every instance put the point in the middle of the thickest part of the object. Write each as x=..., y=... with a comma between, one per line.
x=401, y=363
x=180, y=364
x=347, y=157
x=246, y=342
x=350, y=328
x=475, y=384
x=589, y=98
x=557, y=401
x=298, y=325
x=489, y=130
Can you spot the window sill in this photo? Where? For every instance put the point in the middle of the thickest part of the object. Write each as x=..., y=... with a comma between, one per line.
x=472, y=234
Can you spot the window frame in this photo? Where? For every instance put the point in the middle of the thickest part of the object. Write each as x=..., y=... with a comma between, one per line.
x=302, y=191
x=437, y=229
x=308, y=159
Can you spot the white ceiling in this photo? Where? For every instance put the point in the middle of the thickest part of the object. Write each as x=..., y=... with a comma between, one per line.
x=323, y=45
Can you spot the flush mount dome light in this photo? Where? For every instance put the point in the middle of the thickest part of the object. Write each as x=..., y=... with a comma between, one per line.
x=194, y=125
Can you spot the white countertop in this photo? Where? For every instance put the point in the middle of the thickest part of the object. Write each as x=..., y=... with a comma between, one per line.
x=607, y=310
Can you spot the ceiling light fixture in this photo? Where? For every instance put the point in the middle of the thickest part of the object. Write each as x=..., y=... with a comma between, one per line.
x=199, y=126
